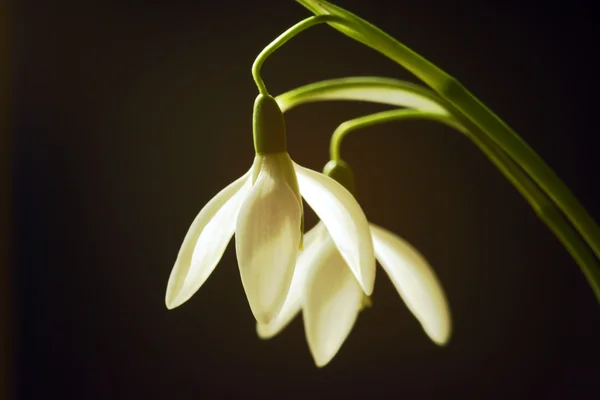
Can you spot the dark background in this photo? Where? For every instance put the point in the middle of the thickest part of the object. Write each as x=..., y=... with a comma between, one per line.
x=131, y=115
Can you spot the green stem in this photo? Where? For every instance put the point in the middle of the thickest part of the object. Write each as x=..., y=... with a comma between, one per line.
x=282, y=39
x=364, y=88
x=407, y=94
x=370, y=35
x=543, y=206
x=379, y=118
x=472, y=109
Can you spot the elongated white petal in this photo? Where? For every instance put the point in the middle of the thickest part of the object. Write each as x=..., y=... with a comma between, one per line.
x=415, y=281
x=331, y=304
x=345, y=221
x=205, y=242
x=267, y=239
x=313, y=247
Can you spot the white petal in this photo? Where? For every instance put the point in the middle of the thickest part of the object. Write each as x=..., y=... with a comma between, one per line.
x=267, y=240
x=416, y=283
x=313, y=247
x=331, y=304
x=205, y=242
x=345, y=221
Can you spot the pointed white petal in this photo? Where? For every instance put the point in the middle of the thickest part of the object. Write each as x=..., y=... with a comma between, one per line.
x=331, y=304
x=267, y=239
x=205, y=242
x=345, y=221
x=415, y=281
x=313, y=246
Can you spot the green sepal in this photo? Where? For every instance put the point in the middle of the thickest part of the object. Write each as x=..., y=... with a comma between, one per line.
x=269, y=126
x=340, y=171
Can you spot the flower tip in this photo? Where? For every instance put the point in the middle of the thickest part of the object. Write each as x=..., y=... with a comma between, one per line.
x=173, y=301
x=263, y=331
x=367, y=278
x=322, y=359
x=367, y=283
x=440, y=338
x=170, y=304
x=439, y=333
x=440, y=341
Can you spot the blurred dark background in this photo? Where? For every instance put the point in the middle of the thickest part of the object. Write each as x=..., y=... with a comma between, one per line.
x=131, y=115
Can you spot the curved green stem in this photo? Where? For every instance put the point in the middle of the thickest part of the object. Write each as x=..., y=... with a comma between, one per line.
x=371, y=36
x=382, y=90
x=364, y=88
x=380, y=118
x=543, y=206
x=469, y=107
x=282, y=39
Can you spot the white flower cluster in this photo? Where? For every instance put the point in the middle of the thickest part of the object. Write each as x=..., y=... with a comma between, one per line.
x=327, y=274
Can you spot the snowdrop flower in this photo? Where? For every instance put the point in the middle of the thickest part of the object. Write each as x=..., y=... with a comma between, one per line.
x=330, y=297
x=264, y=210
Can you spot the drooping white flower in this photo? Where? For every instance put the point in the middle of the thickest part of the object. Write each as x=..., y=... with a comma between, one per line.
x=330, y=297
x=264, y=210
